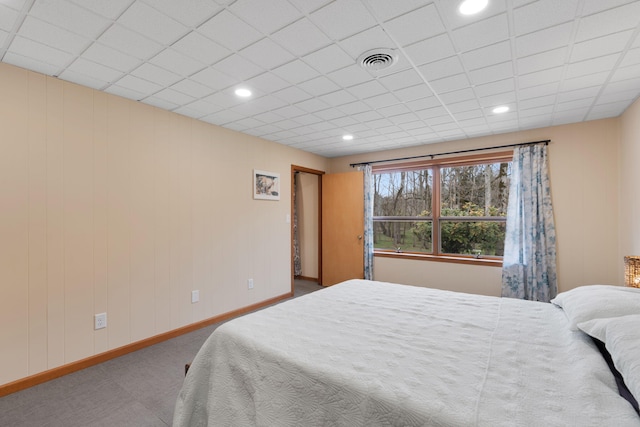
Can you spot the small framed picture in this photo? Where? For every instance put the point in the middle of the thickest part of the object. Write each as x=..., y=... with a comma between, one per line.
x=266, y=185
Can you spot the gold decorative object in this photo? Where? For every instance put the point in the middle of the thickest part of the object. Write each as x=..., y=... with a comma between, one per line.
x=632, y=271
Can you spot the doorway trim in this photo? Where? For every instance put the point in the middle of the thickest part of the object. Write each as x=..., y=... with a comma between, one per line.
x=319, y=173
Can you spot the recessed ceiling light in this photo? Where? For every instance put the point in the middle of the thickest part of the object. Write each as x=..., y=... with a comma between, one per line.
x=470, y=7
x=243, y=93
x=501, y=109
x=347, y=137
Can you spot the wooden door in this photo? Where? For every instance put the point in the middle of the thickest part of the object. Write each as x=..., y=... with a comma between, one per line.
x=342, y=227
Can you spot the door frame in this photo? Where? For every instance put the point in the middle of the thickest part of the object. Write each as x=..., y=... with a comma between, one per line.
x=318, y=173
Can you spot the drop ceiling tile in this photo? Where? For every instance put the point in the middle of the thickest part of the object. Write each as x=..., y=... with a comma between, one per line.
x=307, y=119
x=339, y=97
x=138, y=85
x=401, y=80
x=423, y=103
x=593, y=6
x=576, y=104
x=488, y=55
x=328, y=59
x=70, y=17
x=312, y=105
x=155, y=74
x=14, y=4
x=102, y=54
x=631, y=85
x=221, y=117
x=430, y=50
x=192, y=88
x=492, y=73
x=343, y=18
x=386, y=10
x=632, y=57
x=589, y=92
x=129, y=42
x=487, y=32
x=197, y=46
x=595, y=65
x=431, y=113
x=153, y=24
x=600, y=46
x=541, y=41
x=360, y=43
x=537, y=111
x=266, y=17
x=94, y=70
x=238, y=67
x=460, y=107
x=350, y=76
x=595, y=79
x=292, y=94
x=356, y=107
x=8, y=18
x=543, y=14
x=540, y=77
x=502, y=86
x=268, y=117
x=608, y=22
x=290, y=112
x=572, y=116
x=619, y=96
x=295, y=72
x=266, y=54
x=301, y=38
x=400, y=119
x=51, y=35
x=213, y=79
x=46, y=54
x=443, y=68
x=492, y=101
x=450, y=84
x=225, y=99
x=536, y=91
x=537, y=102
x=329, y=113
x=542, y=61
x=177, y=62
x=608, y=110
x=308, y=6
x=626, y=73
x=267, y=83
x=381, y=101
x=174, y=97
x=379, y=124
x=319, y=86
x=457, y=96
x=109, y=9
x=470, y=117
x=260, y=107
x=420, y=24
x=190, y=13
x=413, y=92
x=204, y=107
x=229, y=31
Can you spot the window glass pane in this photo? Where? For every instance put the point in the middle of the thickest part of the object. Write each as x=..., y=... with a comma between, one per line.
x=477, y=190
x=409, y=236
x=405, y=193
x=472, y=237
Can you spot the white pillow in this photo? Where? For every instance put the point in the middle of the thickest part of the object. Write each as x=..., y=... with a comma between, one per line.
x=621, y=336
x=597, y=302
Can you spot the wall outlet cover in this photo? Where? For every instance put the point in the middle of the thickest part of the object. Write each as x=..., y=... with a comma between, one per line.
x=100, y=321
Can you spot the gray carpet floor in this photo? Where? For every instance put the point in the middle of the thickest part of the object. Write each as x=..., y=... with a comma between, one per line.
x=138, y=389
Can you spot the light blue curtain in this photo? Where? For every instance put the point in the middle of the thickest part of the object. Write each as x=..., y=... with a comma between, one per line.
x=368, y=221
x=529, y=264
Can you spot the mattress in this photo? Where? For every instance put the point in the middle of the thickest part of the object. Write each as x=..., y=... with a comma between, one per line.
x=365, y=353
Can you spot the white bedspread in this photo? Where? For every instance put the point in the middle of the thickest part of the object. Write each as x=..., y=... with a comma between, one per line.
x=376, y=354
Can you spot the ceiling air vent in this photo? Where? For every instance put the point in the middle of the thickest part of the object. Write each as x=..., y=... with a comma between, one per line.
x=377, y=60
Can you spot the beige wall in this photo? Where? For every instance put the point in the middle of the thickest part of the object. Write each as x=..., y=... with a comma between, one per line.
x=584, y=162
x=629, y=182
x=109, y=205
x=308, y=222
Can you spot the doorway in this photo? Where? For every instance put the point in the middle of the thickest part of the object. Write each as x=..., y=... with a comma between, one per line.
x=306, y=225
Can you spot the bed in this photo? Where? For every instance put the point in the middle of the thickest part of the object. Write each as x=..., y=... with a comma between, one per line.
x=366, y=353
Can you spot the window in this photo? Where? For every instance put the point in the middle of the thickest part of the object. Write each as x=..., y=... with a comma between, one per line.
x=447, y=208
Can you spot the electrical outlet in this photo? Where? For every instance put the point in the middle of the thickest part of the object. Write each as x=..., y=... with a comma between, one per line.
x=100, y=321
x=195, y=296
x=250, y=283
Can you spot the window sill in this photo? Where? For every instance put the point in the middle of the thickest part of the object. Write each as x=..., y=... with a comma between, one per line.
x=491, y=262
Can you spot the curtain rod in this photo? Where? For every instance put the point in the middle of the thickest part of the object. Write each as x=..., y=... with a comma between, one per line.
x=545, y=142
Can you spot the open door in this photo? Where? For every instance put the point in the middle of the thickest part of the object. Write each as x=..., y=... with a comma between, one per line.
x=342, y=227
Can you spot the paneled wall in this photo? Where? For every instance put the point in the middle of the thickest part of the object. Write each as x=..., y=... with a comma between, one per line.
x=108, y=205
x=629, y=180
